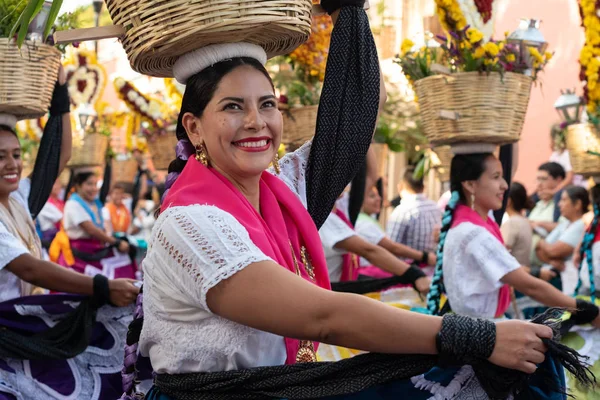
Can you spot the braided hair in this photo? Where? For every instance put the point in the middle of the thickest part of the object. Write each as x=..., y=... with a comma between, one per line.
x=464, y=167
x=585, y=251
x=199, y=91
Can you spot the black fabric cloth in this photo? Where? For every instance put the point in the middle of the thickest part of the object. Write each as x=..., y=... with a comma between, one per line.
x=506, y=159
x=106, y=182
x=67, y=339
x=366, y=285
x=347, y=112
x=137, y=187
x=331, y=6
x=465, y=341
x=357, y=194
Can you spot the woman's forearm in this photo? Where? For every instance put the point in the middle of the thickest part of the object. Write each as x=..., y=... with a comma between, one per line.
x=377, y=327
x=51, y=276
x=97, y=233
x=381, y=258
x=400, y=250
x=544, y=292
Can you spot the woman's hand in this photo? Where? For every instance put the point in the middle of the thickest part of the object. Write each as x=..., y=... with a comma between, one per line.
x=422, y=285
x=547, y=274
x=122, y=292
x=431, y=259
x=62, y=76
x=596, y=322
x=577, y=255
x=123, y=246
x=519, y=345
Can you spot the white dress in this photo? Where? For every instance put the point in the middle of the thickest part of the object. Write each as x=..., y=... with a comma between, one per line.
x=474, y=264
x=75, y=214
x=369, y=230
x=11, y=247
x=333, y=231
x=191, y=250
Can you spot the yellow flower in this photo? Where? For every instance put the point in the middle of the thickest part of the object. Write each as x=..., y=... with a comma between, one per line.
x=491, y=48
x=510, y=57
x=506, y=33
x=474, y=35
x=406, y=46
x=548, y=56
x=537, y=57
x=479, y=52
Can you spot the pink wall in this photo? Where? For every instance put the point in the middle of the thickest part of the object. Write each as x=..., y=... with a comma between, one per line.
x=562, y=30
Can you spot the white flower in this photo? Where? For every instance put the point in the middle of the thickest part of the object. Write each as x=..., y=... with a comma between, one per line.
x=144, y=108
x=120, y=83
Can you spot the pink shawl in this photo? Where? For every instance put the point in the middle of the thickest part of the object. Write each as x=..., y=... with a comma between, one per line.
x=465, y=214
x=283, y=224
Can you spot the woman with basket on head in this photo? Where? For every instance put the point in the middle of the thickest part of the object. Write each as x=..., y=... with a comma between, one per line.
x=471, y=245
x=45, y=337
x=235, y=266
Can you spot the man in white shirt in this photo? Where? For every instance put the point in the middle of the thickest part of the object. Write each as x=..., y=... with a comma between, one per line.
x=413, y=222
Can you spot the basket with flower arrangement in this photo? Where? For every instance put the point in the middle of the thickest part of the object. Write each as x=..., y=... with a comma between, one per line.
x=28, y=74
x=299, y=77
x=582, y=140
x=471, y=89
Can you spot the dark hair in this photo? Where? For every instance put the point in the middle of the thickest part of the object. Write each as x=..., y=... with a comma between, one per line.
x=585, y=250
x=464, y=167
x=555, y=170
x=416, y=185
x=577, y=193
x=119, y=186
x=4, y=127
x=200, y=89
x=81, y=177
x=518, y=195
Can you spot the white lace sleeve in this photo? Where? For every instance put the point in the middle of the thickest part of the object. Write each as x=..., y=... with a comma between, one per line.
x=293, y=170
x=202, y=245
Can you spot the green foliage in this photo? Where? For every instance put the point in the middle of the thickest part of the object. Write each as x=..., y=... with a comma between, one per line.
x=291, y=81
x=10, y=10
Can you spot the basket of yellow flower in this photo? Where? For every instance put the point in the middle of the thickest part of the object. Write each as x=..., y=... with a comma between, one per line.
x=583, y=143
x=299, y=77
x=27, y=78
x=471, y=89
x=158, y=32
x=89, y=150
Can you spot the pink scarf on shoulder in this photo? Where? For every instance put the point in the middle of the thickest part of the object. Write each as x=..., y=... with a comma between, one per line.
x=283, y=230
x=465, y=214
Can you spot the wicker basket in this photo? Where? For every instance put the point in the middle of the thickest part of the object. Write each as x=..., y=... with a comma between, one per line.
x=89, y=151
x=124, y=171
x=445, y=156
x=582, y=138
x=159, y=31
x=27, y=78
x=162, y=150
x=299, y=125
x=487, y=108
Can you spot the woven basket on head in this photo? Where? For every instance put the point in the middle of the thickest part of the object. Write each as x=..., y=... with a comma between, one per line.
x=299, y=125
x=27, y=78
x=487, y=108
x=162, y=149
x=159, y=31
x=124, y=171
x=582, y=138
x=89, y=150
x=445, y=156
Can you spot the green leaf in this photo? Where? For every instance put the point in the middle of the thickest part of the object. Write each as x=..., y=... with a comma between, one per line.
x=396, y=147
x=33, y=7
x=420, y=169
x=52, y=14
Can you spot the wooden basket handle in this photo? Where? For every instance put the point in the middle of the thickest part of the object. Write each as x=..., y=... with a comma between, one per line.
x=117, y=31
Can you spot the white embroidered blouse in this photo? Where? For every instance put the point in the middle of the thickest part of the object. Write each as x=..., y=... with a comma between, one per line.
x=191, y=250
x=11, y=247
x=474, y=264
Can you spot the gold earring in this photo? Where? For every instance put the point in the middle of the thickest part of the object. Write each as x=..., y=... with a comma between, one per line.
x=201, y=155
x=473, y=201
x=276, y=164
